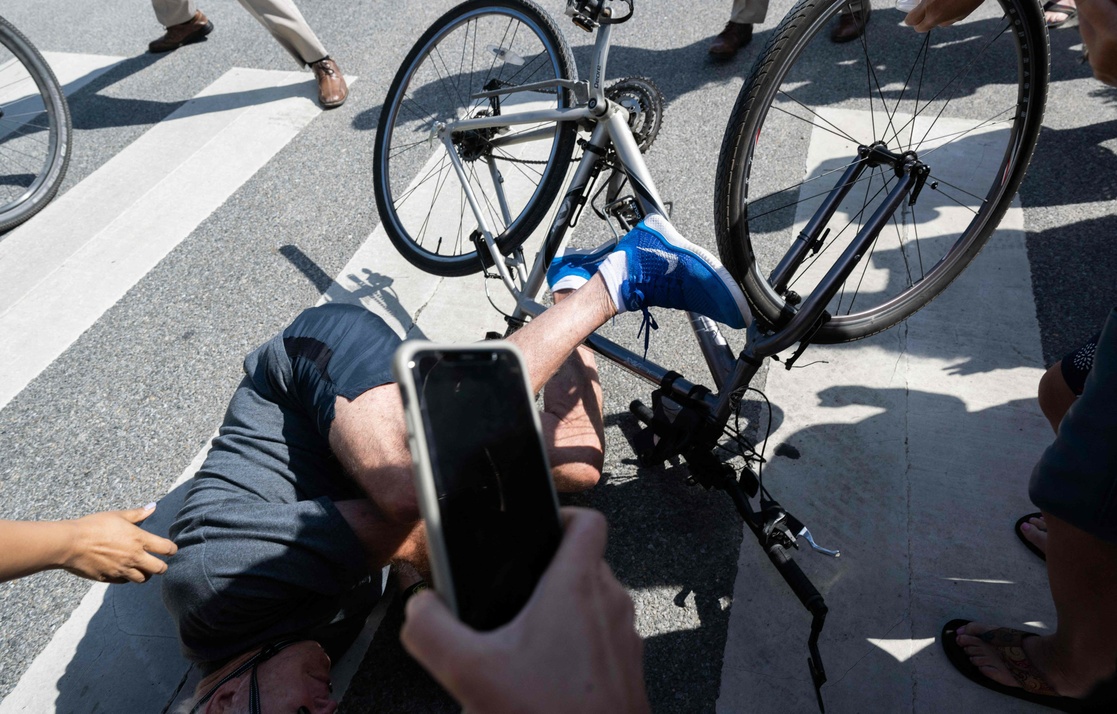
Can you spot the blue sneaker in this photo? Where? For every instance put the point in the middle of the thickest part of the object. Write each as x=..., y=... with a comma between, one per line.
x=667, y=270
x=574, y=268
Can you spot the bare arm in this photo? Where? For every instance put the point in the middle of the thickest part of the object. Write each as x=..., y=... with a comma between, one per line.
x=107, y=547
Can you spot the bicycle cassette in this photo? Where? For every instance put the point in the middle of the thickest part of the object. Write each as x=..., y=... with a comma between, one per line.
x=644, y=103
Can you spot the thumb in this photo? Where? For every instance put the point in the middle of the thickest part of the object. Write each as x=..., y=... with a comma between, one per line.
x=136, y=515
x=436, y=638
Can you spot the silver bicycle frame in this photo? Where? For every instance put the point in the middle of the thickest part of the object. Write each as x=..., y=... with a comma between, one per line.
x=730, y=373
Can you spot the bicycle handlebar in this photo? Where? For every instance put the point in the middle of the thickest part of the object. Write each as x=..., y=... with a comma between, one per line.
x=797, y=580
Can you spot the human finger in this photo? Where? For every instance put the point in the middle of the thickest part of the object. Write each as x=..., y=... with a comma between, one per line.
x=151, y=565
x=137, y=515
x=915, y=17
x=583, y=538
x=134, y=575
x=437, y=639
x=160, y=546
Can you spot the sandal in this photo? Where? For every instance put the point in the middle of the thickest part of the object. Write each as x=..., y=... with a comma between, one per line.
x=1023, y=539
x=1009, y=645
x=1070, y=11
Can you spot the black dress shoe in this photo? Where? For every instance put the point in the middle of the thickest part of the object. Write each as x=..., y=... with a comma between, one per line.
x=193, y=30
x=735, y=36
x=851, y=25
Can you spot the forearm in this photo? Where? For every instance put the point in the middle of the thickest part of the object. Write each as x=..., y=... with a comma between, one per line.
x=27, y=547
x=573, y=424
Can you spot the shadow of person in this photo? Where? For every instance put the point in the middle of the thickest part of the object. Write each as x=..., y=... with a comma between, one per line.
x=127, y=655
x=919, y=493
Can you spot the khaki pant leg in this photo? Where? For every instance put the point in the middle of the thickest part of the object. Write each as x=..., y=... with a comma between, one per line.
x=173, y=12
x=749, y=12
x=286, y=24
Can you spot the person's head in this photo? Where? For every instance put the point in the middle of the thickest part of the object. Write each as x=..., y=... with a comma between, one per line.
x=290, y=677
x=1097, y=21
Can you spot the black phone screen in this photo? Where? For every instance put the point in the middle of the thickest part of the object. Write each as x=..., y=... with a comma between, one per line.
x=499, y=519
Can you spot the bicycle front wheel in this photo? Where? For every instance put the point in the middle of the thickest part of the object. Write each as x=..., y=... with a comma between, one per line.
x=514, y=172
x=34, y=129
x=965, y=100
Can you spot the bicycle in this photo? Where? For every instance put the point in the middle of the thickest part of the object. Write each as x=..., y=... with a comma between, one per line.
x=841, y=207
x=35, y=129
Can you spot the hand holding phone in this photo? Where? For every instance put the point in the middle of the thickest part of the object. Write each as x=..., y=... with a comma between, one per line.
x=481, y=471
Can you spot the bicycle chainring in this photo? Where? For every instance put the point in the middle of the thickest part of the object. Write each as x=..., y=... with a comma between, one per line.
x=645, y=106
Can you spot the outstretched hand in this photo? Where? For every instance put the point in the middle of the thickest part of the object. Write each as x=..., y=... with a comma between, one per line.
x=930, y=14
x=573, y=648
x=111, y=547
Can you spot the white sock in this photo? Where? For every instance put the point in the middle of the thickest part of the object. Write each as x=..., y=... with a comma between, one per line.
x=614, y=270
x=569, y=282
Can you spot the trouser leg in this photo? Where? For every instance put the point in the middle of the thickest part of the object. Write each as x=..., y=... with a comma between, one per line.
x=749, y=12
x=287, y=25
x=173, y=12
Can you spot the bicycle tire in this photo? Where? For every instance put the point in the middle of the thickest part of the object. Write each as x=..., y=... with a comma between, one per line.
x=402, y=168
x=782, y=112
x=24, y=194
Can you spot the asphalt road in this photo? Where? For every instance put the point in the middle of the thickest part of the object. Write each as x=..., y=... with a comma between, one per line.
x=115, y=419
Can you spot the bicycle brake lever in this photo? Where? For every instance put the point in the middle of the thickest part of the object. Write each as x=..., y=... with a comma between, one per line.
x=801, y=531
x=804, y=533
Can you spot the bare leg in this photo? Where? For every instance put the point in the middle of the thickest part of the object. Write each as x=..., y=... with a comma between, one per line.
x=1055, y=396
x=1082, y=651
x=573, y=421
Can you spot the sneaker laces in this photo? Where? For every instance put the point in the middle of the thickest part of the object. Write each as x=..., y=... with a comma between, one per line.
x=647, y=324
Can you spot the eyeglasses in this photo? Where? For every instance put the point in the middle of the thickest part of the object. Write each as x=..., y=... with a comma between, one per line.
x=252, y=663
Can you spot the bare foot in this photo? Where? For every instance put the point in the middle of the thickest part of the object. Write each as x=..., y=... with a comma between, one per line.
x=1005, y=658
x=1035, y=530
x=1054, y=18
x=1016, y=659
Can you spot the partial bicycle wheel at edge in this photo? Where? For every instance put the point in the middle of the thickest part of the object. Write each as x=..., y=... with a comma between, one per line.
x=966, y=99
x=34, y=130
x=515, y=171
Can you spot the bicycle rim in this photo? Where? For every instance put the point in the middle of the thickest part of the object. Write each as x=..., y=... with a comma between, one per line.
x=514, y=171
x=966, y=99
x=34, y=130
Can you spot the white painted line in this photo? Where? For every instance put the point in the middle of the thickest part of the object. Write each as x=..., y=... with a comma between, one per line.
x=63, y=269
x=19, y=95
x=74, y=71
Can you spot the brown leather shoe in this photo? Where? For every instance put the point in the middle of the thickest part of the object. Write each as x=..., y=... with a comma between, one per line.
x=182, y=34
x=332, y=90
x=735, y=36
x=851, y=25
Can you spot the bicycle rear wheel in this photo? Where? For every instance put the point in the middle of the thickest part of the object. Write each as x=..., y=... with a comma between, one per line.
x=515, y=171
x=966, y=99
x=34, y=129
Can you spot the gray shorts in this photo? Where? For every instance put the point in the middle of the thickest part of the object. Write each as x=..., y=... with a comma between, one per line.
x=263, y=551
x=1076, y=478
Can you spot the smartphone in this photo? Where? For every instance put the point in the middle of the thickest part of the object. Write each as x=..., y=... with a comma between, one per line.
x=481, y=473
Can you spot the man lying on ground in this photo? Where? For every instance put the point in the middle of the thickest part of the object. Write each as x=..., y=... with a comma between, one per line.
x=307, y=492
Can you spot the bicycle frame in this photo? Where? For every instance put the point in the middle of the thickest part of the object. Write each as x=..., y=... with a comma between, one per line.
x=610, y=130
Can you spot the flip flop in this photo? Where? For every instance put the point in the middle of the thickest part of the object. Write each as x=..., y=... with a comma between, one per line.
x=1023, y=539
x=1070, y=11
x=1008, y=643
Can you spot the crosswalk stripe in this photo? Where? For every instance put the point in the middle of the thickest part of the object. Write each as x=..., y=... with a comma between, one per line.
x=63, y=269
